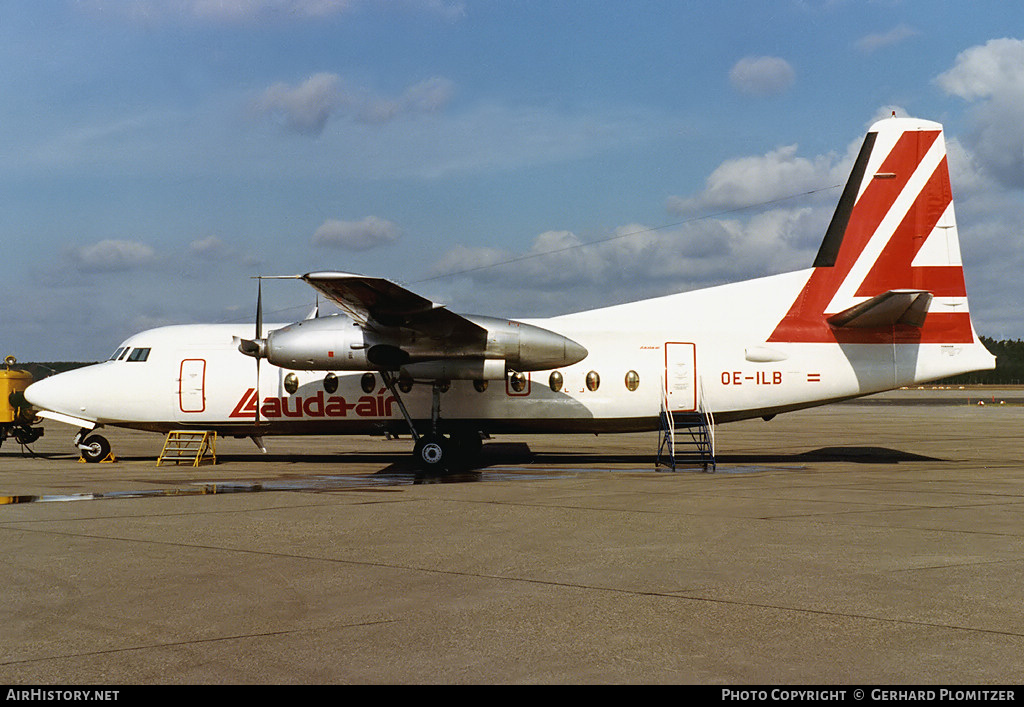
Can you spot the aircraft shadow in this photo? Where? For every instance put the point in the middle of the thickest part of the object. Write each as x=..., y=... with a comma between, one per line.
x=501, y=454
x=521, y=454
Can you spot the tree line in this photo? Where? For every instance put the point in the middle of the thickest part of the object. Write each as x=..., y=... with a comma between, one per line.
x=1009, y=368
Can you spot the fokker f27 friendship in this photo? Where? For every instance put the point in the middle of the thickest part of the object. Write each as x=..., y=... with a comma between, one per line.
x=884, y=306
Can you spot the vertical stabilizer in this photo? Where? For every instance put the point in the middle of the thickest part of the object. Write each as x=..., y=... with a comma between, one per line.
x=893, y=239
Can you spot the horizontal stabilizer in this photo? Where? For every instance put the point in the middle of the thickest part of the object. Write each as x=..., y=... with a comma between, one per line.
x=907, y=307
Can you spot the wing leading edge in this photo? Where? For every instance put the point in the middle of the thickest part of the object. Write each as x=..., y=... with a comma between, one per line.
x=377, y=303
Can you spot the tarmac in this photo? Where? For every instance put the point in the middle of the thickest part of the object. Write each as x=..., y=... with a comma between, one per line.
x=878, y=543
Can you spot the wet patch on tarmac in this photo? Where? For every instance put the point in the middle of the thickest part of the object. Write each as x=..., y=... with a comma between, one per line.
x=379, y=481
x=318, y=484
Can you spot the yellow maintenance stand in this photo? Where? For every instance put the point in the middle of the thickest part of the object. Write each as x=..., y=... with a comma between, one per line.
x=16, y=415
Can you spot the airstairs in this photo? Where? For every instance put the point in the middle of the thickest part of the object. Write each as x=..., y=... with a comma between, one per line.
x=686, y=438
x=192, y=446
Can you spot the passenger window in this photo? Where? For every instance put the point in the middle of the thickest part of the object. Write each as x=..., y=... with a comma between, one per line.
x=404, y=382
x=632, y=380
x=291, y=383
x=555, y=381
x=331, y=383
x=593, y=381
x=138, y=355
x=517, y=381
x=368, y=382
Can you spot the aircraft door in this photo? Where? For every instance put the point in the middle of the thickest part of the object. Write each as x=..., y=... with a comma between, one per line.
x=681, y=376
x=192, y=385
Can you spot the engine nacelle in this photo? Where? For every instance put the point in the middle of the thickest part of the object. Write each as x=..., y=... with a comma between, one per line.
x=526, y=347
x=338, y=343
x=327, y=344
x=480, y=369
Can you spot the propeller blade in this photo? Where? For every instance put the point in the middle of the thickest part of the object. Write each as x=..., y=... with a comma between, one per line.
x=259, y=335
x=259, y=400
x=259, y=308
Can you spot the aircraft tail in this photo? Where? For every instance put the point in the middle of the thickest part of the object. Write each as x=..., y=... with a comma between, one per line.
x=889, y=268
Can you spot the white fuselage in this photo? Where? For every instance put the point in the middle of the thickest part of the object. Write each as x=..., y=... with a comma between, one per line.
x=705, y=349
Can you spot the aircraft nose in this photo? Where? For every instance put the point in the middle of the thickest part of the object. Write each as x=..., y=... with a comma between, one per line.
x=68, y=393
x=45, y=394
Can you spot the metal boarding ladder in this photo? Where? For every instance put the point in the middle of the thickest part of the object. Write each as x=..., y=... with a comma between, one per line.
x=193, y=446
x=700, y=435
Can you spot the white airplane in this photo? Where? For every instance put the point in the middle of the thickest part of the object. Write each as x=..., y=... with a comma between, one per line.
x=884, y=306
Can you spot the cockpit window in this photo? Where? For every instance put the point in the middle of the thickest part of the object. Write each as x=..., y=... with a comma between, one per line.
x=138, y=355
x=117, y=354
x=124, y=352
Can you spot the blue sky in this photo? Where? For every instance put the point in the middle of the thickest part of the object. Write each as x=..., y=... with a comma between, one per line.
x=157, y=155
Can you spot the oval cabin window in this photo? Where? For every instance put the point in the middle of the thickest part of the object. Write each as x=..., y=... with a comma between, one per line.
x=404, y=383
x=555, y=381
x=517, y=381
x=368, y=382
x=291, y=383
x=632, y=380
x=331, y=383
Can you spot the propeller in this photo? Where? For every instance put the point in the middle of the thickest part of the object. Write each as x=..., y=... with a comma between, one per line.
x=257, y=346
x=259, y=340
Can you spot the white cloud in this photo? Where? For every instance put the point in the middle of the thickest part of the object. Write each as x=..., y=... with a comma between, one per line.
x=880, y=40
x=991, y=76
x=425, y=97
x=307, y=107
x=995, y=68
x=112, y=256
x=370, y=232
x=762, y=75
x=210, y=248
x=304, y=108
x=755, y=180
x=561, y=273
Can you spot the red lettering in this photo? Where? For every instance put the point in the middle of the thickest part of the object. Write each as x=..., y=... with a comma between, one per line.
x=246, y=405
x=777, y=377
x=271, y=407
x=366, y=407
x=290, y=413
x=336, y=407
x=314, y=407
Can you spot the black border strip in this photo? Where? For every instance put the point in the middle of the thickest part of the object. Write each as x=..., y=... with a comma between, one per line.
x=829, y=250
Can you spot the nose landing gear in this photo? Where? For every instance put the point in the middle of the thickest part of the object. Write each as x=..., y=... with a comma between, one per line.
x=94, y=448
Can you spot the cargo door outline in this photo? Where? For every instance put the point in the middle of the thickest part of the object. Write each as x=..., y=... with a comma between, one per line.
x=681, y=376
x=192, y=385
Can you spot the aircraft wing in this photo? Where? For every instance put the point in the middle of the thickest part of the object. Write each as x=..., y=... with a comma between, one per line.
x=375, y=302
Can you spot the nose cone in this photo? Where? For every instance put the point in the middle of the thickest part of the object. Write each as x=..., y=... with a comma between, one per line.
x=65, y=393
x=44, y=395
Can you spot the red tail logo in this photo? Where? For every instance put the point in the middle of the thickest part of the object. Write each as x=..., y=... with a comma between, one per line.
x=894, y=229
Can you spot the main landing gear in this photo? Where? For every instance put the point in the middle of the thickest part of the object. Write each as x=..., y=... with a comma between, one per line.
x=438, y=452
